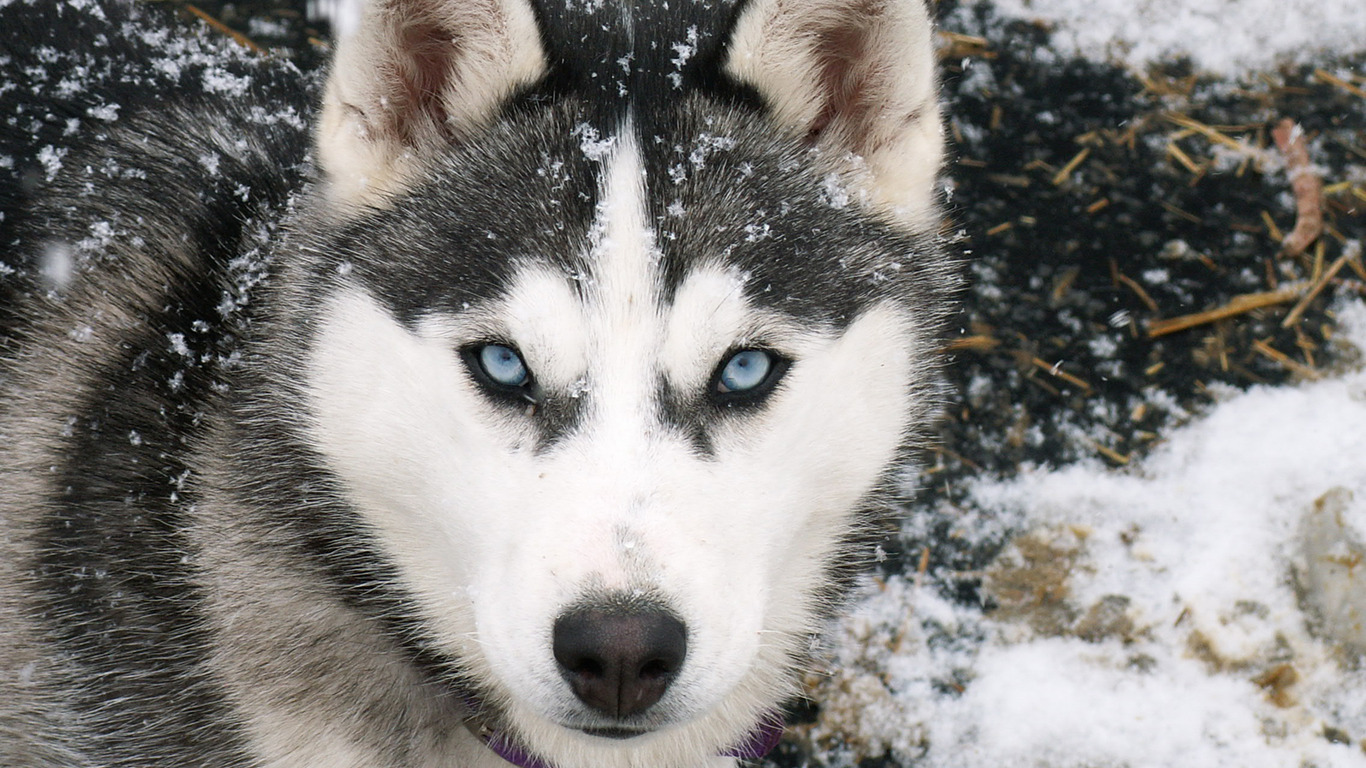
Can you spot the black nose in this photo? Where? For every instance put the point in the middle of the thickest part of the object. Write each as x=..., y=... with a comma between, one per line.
x=620, y=661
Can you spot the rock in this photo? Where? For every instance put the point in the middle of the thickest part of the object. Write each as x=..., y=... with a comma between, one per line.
x=1028, y=580
x=1108, y=617
x=1331, y=574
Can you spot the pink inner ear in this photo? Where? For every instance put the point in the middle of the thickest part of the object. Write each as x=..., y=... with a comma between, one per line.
x=846, y=79
x=422, y=70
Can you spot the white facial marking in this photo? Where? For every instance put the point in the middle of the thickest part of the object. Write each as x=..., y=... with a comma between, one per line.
x=624, y=299
x=709, y=311
x=545, y=320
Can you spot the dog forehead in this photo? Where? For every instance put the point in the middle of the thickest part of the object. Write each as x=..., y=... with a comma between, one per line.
x=741, y=246
x=615, y=312
x=727, y=191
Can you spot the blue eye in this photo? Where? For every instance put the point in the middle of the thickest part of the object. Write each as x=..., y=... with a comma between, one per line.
x=502, y=366
x=748, y=375
x=744, y=371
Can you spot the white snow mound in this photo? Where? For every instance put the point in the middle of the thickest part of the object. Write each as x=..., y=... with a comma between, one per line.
x=1202, y=609
x=1222, y=37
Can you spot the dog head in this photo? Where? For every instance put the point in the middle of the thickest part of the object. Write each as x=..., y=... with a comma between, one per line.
x=625, y=320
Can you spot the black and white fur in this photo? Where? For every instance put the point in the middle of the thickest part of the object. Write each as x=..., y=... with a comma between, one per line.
x=262, y=502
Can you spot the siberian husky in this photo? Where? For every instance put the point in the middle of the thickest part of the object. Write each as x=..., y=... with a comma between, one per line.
x=530, y=391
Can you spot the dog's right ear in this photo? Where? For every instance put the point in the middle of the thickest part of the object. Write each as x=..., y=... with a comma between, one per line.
x=856, y=78
x=414, y=76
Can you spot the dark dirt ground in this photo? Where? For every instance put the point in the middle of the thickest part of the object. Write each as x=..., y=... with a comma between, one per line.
x=1090, y=203
x=1073, y=268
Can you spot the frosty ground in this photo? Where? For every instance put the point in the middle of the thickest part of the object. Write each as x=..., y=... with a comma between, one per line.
x=1134, y=549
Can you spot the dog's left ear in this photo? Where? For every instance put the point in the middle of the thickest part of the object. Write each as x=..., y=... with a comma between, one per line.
x=414, y=76
x=856, y=77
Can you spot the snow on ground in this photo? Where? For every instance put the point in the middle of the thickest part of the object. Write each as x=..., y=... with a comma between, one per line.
x=1219, y=36
x=1204, y=608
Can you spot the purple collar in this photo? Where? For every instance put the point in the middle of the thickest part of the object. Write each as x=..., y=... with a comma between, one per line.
x=758, y=743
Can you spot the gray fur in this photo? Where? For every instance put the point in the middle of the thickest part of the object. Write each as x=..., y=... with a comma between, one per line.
x=186, y=578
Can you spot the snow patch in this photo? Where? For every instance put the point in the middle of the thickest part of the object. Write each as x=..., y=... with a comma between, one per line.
x=1199, y=609
x=1220, y=36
